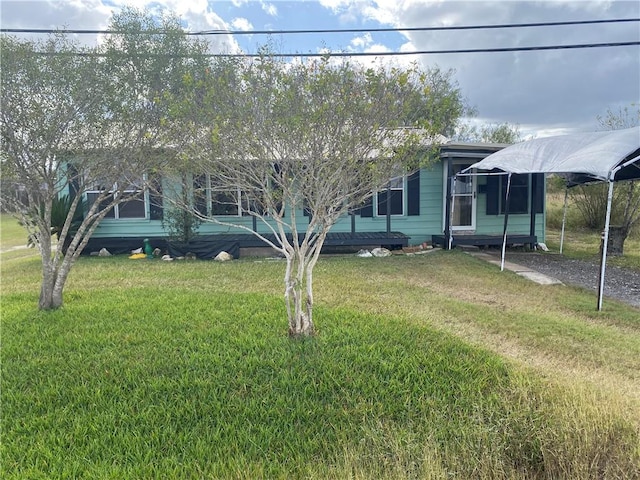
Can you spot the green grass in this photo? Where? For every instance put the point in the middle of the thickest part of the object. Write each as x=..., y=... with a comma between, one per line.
x=184, y=370
x=12, y=234
x=13, y=240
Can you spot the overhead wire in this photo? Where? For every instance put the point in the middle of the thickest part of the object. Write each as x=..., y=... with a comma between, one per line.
x=362, y=54
x=341, y=53
x=330, y=30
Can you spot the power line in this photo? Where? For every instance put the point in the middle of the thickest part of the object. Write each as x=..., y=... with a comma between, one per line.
x=336, y=30
x=359, y=54
x=437, y=52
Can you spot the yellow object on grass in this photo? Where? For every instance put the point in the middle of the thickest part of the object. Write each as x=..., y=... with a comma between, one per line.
x=136, y=256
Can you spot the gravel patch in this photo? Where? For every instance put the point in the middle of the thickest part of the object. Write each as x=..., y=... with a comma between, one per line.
x=620, y=283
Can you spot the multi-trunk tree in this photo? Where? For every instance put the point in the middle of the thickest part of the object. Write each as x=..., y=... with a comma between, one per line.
x=79, y=131
x=273, y=140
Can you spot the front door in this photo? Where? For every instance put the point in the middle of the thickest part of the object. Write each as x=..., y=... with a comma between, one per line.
x=463, y=211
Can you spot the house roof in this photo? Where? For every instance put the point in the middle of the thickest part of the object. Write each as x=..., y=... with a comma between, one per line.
x=581, y=157
x=469, y=150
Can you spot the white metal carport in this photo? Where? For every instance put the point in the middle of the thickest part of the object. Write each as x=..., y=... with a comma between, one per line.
x=580, y=158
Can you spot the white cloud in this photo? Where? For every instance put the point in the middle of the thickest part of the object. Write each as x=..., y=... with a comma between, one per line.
x=377, y=48
x=96, y=14
x=50, y=14
x=336, y=5
x=365, y=43
x=269, y=8
x=362, y=41
x=241, y=24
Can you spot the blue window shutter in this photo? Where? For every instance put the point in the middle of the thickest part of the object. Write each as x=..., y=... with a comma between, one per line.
x=539, y=185
x=413, y=193
x=367, y=208
x=493, y=195
x=518, y=195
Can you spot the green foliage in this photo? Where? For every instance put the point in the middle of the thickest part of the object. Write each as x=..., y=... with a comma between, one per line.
x=438, y=101
x=316, y=134
x=583, y=243
x=492, y=133
x=316, y=120
x=591, y=202
x=60, y=211
x=180, y=224
x=150, y=56
x=555, y=185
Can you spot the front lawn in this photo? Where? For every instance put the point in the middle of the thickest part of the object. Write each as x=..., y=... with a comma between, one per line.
x=432, y=366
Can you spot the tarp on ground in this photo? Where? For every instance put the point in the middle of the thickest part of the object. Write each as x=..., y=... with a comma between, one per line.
x=580, y=157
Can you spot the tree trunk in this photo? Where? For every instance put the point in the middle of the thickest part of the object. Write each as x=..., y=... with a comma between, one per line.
x=54, y=276
x=297, y=297
x=46, y=296
x=617, y=236
x=50, y=297
x=50, y=291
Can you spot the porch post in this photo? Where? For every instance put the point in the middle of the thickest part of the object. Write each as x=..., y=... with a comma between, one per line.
x=353, y=223
x=506, y=219
x=389, y=208
x=605, y=244
x=448, y=207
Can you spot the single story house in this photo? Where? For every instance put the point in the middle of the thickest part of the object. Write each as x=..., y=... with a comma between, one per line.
x=424, y=206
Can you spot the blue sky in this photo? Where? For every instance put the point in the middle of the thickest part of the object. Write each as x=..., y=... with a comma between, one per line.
x=304, y=15
x=544, y=93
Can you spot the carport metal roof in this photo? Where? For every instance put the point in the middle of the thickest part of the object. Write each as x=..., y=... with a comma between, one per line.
x=583, y=157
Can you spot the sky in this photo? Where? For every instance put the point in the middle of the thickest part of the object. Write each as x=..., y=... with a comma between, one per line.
x=543, y=92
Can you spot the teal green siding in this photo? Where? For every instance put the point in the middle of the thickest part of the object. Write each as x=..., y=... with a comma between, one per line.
x=494, y=224
x=419, y=228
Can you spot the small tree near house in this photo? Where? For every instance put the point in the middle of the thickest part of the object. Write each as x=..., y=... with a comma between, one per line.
x=277, y=139
x=180, y=224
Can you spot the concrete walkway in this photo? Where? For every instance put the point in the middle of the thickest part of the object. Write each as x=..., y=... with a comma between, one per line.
x=525, y=272
x=13, y=249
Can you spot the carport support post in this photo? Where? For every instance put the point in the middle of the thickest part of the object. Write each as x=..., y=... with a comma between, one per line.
x=506, y=219
x=605, y=244
x=564, y=216
x=534, y=201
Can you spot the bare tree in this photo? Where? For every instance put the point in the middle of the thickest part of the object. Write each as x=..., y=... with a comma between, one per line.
x=277, y=139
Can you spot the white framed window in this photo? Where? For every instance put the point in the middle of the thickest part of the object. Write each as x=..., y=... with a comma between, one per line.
x=210, y=201
x=396, y=194
x=134, y=207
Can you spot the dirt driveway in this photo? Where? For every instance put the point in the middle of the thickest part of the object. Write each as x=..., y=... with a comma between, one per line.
x=620, y=283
